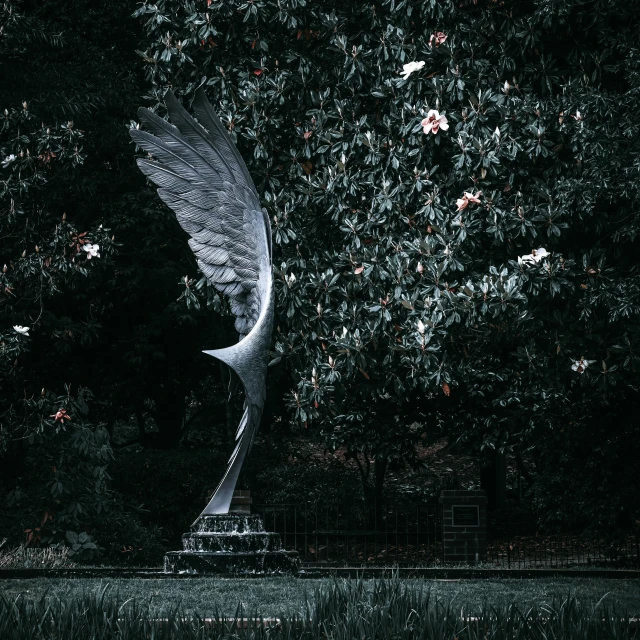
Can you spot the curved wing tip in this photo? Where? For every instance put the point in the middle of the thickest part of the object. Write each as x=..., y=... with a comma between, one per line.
x=170, y=96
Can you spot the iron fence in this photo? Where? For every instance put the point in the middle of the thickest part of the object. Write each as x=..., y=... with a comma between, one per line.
x=358, y=532
x=565, y=553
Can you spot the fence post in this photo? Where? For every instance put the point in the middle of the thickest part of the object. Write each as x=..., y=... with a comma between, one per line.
x=417, y=560
x=326, y=535
x=366, y=524
x=396, y=531
x=375, y=535
x=306, y=530
x=316, y=531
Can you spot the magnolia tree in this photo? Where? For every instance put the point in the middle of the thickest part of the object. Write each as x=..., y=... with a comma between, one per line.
x=45, y=261
x=451, y=189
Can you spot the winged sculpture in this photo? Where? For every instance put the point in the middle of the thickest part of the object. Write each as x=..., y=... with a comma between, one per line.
x=201, y=176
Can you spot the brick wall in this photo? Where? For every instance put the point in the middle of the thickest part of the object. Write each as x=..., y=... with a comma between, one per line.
x=464, y=526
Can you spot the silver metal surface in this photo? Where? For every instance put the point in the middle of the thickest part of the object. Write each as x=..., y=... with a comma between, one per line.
x=203, y=179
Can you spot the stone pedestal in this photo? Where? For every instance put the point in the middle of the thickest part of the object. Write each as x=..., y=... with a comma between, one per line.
x=464, y=526
x=241, y=502
x=234, y=543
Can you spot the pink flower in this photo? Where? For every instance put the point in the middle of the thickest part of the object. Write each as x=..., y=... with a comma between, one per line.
x=434, y=121
x=468, y=197
x=61, y=415
x=438, y=37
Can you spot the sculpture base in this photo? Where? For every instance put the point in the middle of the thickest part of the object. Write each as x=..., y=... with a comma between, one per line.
x=231, y=543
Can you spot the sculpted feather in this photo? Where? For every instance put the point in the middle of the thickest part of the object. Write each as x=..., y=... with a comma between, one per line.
x=203, y=179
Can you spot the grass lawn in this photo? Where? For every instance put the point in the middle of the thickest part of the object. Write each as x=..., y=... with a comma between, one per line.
x=274, y=596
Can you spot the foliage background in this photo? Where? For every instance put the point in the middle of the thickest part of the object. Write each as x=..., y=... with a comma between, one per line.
x=400, y=318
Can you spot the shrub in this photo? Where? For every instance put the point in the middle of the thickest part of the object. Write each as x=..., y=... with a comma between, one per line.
x=455, y=241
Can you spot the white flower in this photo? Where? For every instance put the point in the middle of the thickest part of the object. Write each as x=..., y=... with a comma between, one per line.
x=93, y=250
x=581, y=365
x=408, y=69
x=534, y=257
x=290, y=279
x=420, y=326
x=540, y=253
x=24, y=331
x=8, y=160
x=344, y=332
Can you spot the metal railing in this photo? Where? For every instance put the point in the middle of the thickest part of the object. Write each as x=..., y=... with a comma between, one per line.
x=565, y=553
x=357, y=532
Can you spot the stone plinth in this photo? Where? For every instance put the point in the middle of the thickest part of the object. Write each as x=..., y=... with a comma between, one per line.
x=232, y=543
x=241, y=501
x=464, y=526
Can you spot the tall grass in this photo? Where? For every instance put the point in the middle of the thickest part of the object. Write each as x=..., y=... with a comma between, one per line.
x=27, y=558
x=341, y=610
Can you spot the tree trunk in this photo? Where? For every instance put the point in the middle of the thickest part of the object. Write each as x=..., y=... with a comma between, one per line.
x=373, y=491
x=169, y=416
x=140, y=420
x=493, y=479
x=380, y=473
x=111, y=423
x=378, y=493
x=524, y=472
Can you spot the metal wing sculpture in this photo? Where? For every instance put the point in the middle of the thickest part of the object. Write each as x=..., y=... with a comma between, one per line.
x=203, y=179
